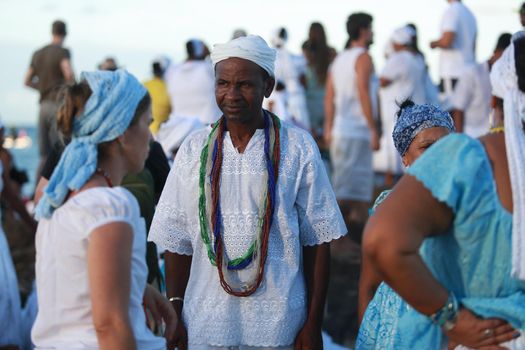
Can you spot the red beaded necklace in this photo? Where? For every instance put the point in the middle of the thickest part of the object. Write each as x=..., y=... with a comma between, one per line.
x=105, y=175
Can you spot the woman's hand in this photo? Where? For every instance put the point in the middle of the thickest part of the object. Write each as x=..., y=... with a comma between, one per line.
x=474, y=332
x=161, y=310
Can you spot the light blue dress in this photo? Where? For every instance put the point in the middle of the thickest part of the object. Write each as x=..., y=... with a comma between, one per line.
x=473, y=260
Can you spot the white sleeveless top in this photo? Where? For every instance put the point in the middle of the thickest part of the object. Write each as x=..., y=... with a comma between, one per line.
x=64, y=319
x=349, y=119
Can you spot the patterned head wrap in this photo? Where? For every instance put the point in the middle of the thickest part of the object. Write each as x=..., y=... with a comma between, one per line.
x=504, y=81
x=251, y=47
x=107, y=114
x=415, y=118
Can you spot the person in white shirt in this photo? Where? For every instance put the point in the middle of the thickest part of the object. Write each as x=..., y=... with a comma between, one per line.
x=458, y=46
x=90, y=254
x=245, y=219
x=402, y=77
x=290, y=70
x=350, y=123
x=191, y=85
x=471, y=101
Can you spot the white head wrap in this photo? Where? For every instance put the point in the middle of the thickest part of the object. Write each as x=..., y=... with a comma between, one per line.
x=403, y=35
x=251, y=47
x=505, y=85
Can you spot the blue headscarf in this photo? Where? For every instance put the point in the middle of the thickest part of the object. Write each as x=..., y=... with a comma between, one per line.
x=413, y=119
x=107, y=114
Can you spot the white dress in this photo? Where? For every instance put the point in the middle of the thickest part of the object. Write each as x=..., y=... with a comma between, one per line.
x=10, y=307
x=288, y=70
x=191, y=86
x=306, y=214
x=64, y=319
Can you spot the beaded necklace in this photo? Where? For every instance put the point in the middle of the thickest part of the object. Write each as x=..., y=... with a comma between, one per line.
x=209, y=201
x=105, y=175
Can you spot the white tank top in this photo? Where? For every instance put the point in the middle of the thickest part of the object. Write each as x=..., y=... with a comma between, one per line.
x=349, y=119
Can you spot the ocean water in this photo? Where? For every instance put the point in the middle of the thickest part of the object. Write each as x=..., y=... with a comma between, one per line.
x=26, y=158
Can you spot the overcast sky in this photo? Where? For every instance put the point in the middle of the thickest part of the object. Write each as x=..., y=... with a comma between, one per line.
x=135, y=31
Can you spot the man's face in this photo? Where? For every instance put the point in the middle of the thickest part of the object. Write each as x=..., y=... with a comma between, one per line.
x=522, y=16
x=240, y=86
x=368, y=34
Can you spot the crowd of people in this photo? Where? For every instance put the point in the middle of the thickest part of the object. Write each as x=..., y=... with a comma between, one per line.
x=198, y=209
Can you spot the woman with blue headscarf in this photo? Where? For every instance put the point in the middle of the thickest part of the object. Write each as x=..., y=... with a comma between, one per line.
x=417, y=128
x=90, y=267
x=463, y=204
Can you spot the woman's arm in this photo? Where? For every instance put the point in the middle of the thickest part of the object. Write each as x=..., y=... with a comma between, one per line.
x=109, y=265
x=392, y=240
x=369, y=281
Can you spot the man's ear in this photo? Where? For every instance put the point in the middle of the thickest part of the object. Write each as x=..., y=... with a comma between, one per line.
x=270, y=83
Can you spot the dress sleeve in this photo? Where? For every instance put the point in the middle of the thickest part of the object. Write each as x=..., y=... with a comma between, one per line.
x=170, y=226
x=320, y=220
x=108, y=206
x=456, y=171
x=393, y=69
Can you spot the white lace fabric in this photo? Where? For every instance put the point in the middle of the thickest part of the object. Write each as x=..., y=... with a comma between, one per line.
x=306, y=214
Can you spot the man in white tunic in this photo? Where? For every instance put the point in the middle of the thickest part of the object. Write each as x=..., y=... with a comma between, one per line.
x=191, y=86
x=458, y=46
x=471, y=101
x=228, y=294
x=402, y=77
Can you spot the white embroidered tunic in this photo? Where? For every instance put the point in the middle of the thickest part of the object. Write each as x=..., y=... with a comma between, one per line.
x=306, y=214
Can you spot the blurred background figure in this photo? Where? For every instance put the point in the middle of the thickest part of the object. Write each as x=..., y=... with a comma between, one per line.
x=457, y=44
x=158, y=91
x=351, y=133
x=109, y=63
x=318, y=57
x=191, y=85
x=471, y=100
x=49, y=69
x=431, y=90
x=290, y=72
x=237, y=33
x=11, y=317
x=402, y=77
x=174, y=132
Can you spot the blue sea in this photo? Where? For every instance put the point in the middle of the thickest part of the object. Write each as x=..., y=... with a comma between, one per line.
x=27, y=158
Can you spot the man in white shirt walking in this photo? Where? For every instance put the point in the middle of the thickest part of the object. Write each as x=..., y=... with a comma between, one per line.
x=458, y=46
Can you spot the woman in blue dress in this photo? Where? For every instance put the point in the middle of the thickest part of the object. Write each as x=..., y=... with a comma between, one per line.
x=465, y=199
x=416, y=129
